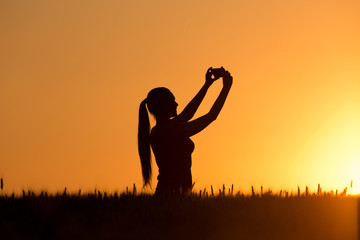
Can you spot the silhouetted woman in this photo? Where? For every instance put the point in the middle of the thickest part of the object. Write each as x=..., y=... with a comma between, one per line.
x=170, y=138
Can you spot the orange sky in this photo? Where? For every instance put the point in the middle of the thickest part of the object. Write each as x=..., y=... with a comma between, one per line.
x=73, y=73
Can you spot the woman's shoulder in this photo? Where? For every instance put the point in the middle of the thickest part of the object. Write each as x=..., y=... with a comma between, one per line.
x=171, y=127
x=174, y=122
x=174, y=126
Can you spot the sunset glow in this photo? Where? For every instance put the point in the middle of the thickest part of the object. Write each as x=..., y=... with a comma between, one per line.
x=73, y=74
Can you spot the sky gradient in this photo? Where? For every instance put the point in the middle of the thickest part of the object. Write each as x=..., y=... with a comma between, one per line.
x=73, y=73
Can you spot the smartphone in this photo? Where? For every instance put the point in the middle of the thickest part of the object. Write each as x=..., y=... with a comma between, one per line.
x=217, y=72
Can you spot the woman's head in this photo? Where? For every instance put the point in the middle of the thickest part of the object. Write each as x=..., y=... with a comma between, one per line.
x=161, y=103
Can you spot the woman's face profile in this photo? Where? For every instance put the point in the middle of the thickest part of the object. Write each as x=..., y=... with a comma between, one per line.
x=170, y=105
x=173, y=108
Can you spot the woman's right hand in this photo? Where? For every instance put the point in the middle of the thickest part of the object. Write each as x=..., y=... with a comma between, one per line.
x=227, y=79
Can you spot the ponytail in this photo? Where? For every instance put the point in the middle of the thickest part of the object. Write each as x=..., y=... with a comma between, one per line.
x=144, y=143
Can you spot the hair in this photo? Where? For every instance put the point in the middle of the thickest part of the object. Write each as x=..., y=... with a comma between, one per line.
x=155, y=101
x=144, y=143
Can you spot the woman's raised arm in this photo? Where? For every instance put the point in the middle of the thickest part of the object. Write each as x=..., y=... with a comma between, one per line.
x=200, y=123
x=194, y=104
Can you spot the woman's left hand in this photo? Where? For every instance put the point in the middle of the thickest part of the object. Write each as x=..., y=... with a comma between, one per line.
x=208, y=77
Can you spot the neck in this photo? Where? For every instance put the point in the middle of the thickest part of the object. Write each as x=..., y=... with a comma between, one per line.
x=162, y=120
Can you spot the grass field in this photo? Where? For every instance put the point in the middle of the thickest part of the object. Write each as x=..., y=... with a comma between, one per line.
x=197, y=216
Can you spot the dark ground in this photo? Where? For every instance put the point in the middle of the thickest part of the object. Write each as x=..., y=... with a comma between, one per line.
x=184, y=217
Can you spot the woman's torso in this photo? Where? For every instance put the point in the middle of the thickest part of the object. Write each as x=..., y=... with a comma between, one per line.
x=172, y=150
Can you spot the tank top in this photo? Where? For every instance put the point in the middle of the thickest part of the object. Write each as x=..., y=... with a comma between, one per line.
x=172, y=150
